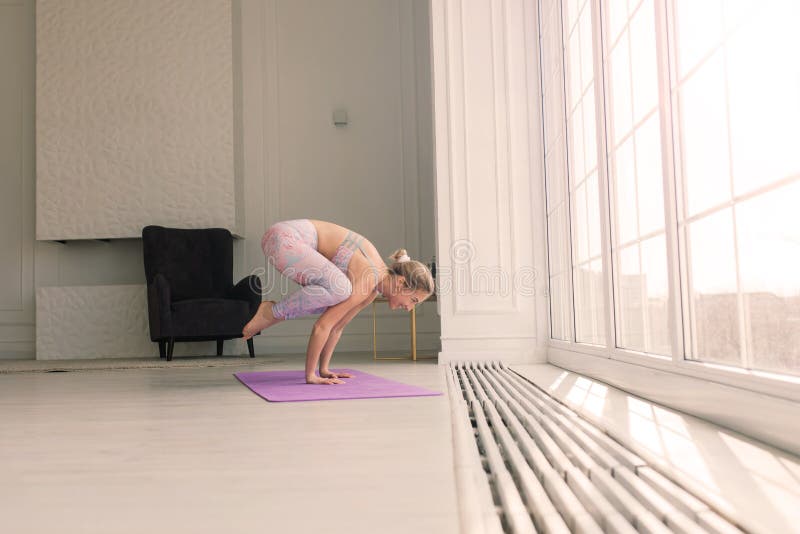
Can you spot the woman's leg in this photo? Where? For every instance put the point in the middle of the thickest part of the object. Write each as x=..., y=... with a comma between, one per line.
x=290, y=246
x=291, y=249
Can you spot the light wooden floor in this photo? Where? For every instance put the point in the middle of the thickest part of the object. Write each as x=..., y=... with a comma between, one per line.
x=192, y=450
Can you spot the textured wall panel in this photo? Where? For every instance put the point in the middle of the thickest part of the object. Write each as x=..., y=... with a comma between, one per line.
x=134, y=117
x=92, y=322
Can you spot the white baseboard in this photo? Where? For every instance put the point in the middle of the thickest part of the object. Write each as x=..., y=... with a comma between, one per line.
x=17, y=350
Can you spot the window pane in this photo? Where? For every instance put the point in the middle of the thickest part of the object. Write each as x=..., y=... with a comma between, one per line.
x=587, y=67
x=643, y=61
x=656, y=295
x=589, y=132
x=558, y=240
x=580, y=224
x=560, y=310
x=554, y=115
x=736, y=12
x=556, y=175
x=586, y=220
x=589, y=310
x=593, y=215
x=768, y=233
x=764, y=89
x=577, y=168
x=572, y=7
x=617, y=15
x=713, y=289
x=623, y=180
x=636, y=178
x=698, y=27
x=620, y=87
x=574, y=62
x=649, y=176
x=630, y=316
x=550, y=27
x=642, y=291
x=582, y=162
x=556, y=168
x=704, y=131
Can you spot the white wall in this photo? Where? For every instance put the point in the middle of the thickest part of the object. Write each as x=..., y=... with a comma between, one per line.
x=375, y=176
x=302, y=59
x=489, y=180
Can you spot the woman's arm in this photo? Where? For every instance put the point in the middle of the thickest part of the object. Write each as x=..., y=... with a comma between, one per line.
x=334, y=318
x=327, y=352
x=322, y=330
x=319, y=336
x=336, y=334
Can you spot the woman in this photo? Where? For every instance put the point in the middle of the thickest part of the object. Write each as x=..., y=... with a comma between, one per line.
x=337, y=282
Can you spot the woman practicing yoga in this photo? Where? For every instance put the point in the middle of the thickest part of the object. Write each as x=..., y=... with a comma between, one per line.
x=336, y=282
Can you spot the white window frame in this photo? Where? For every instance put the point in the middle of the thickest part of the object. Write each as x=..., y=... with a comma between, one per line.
x=574, y=355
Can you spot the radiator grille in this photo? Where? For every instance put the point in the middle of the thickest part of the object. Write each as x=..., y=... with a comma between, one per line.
x=526, y=463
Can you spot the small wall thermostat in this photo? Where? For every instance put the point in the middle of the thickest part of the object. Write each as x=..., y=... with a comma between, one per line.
x=340, y=117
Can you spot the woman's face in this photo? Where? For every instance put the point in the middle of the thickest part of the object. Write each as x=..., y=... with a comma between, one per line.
x=404, y=298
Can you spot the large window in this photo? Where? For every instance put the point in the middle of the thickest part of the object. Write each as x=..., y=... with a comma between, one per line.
x=672, y=159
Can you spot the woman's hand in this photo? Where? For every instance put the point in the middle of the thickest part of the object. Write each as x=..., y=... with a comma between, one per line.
x=320, y=380
x=329, y=374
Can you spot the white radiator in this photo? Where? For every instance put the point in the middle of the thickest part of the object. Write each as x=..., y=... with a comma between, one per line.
x=527, y=463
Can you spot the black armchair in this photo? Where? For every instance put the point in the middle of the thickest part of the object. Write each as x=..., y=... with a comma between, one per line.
x=190, y=291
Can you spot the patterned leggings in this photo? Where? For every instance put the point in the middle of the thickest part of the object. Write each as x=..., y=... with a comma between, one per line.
x=291, y=247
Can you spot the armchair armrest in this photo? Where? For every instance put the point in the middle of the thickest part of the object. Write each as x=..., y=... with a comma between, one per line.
x=159, y=299
x=249, y=290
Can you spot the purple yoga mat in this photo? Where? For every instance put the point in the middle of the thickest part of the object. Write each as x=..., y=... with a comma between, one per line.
x=289, y=386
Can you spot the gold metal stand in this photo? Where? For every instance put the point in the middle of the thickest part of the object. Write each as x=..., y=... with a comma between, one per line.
x=413, y=356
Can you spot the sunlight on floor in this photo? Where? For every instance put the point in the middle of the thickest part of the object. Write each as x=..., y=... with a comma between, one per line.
x=589, y=395
x=664, y=433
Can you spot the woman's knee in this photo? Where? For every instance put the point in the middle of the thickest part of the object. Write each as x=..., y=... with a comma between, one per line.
x=271, y=240
x=341, y=288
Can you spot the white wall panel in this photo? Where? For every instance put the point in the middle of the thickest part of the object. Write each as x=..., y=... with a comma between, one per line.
x=134, y=117
x=17, y=54
x=489, y=179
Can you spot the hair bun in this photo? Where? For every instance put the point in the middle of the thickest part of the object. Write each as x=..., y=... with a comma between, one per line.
x=400, y=256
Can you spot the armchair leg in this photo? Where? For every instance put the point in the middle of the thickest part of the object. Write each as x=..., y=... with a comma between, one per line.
x=219, y=346
x=162, y=348
x=250, y=348
x=170, y=348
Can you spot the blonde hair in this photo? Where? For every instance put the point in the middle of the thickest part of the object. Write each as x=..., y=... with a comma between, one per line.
x=417, y=274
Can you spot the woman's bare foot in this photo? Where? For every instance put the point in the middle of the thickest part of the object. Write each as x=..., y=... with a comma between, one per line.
x=330, y=374
x=262, y=320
